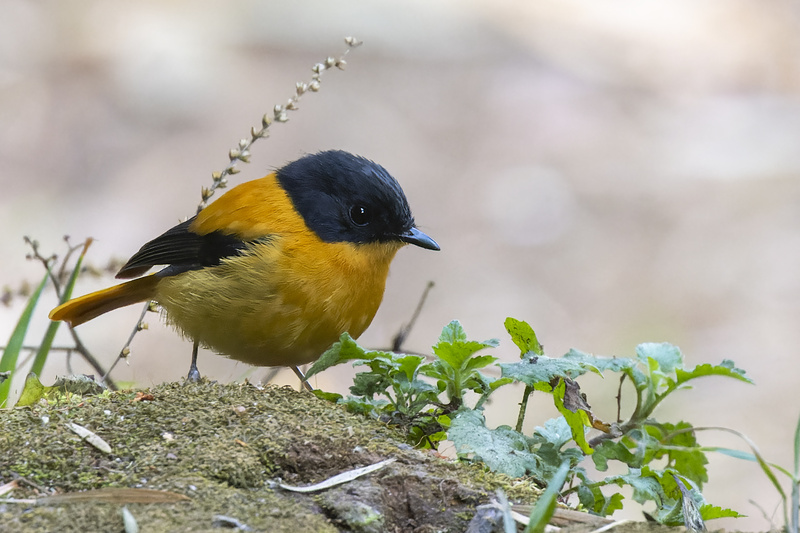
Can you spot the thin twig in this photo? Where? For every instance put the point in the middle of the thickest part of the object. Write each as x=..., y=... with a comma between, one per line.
x=405, y=330
x=619, y=398
x=279, y=114
x=91, y=359
x=26, y=481
x=126, y=349
x=52, y=348
x=46, y=262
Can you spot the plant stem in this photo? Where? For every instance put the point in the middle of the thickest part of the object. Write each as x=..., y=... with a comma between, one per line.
x=523, y=406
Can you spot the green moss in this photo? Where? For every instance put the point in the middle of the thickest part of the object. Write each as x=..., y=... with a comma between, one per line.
x=222, y=446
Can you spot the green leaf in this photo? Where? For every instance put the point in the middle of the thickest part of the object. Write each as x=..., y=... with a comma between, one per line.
x=645, y=484
x=454, y=347
x=368, y=384
x=452, y=333
x=9, y=360
x=496, y=383
x=726, y=368
x=551, y=440
x=480, y=361
x=523, y=336
x=611, y=450
x=545, y=505
x=578, y=420
x=456, y=354
x=710, y=512
x=328, y=396
x=555, y=431
x=615, y=364
x=502, y=449
x=80, y=385
x=362, y=406
x=593, y=499
x=32, y=391
x=346, y=349
x=681, y=448
x=409, y=365
x=536, y=369
x=667, y=356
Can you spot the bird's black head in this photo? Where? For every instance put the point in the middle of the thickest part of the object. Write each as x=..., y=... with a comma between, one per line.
x=346, y=198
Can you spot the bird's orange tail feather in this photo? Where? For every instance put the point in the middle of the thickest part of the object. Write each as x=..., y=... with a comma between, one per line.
x=89, y=306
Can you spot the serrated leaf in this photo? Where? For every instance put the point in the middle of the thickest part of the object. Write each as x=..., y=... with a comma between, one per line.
x=537, y=369
x=453, y=332
x=612, y=450
x=556, y=431
x=456, y=354
x=369, y=384
x=363, y=406
x=480, y=361
x=346, y=349
x=682, y=450
x=409, y=365
x=667, y=356
x=726, y=368
x=502, y=449
x=710, y=512
x=593, y=499
x=523, y=336
x=601, y=363
x=645, y=485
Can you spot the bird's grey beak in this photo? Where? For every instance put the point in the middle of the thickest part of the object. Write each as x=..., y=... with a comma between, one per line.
x=416, y=237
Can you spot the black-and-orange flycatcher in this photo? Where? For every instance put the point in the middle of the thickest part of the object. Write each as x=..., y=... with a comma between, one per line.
x=276, y=269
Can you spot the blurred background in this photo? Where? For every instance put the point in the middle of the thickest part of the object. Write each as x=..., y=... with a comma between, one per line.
x=613, y=173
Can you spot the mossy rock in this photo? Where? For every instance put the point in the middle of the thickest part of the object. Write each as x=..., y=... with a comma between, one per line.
x=223, y=447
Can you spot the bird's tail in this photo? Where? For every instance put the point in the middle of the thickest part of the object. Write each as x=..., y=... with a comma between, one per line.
x=85, y=308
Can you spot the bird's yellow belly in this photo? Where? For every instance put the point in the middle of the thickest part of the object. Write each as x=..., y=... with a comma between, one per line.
x=295, y=301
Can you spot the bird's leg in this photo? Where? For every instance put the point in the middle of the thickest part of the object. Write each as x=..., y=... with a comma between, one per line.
x=299, y=374
x=194, y=374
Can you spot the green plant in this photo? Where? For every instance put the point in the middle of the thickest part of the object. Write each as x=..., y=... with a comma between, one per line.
x=8, y=362
x=394, y=390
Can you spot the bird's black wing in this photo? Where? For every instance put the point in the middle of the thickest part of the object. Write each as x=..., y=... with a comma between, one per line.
x=182, y=249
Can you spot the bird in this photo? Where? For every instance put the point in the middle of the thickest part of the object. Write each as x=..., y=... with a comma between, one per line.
x=277, y=268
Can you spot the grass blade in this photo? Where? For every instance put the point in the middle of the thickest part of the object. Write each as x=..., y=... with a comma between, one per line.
x=545, y=506
x=795, y=501
x=11, y=353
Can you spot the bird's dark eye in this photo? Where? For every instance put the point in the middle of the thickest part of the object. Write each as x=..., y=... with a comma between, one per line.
x=360, y=216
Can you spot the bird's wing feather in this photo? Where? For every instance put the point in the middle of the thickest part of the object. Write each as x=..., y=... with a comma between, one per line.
x=256, y=210
x=182, y=249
